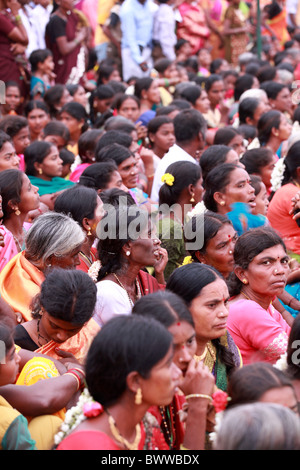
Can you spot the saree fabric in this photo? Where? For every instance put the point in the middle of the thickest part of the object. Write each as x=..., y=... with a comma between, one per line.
x=14, y=433
x=49, y=187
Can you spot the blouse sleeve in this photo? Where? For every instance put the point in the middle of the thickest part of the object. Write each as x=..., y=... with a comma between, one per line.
x=6, y=26
x=264, y=330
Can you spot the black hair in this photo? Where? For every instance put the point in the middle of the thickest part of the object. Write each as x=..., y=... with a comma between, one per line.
x=268, y=121
x=217, y=180
x=12, y=125
x=57, y=128
x=188, y=124
x=272, y=88
x=68, y=295
x=165, y=306
x=243, y=83
x=126, y=343
x=257, y=158
x=209, y=223
x=184, y=173
x=36, y=152
x=247, y=108
x=191, y=93
x=113, y=137
x=87, y=142
x=211, y=80
x=115, y=152
x=292, y=162
x=248, y=245
x=66, y=156
x=77, y=111
x=142, y=84
x=114, y=235
x=188, y=281
x=36, y=104
x=224, y=135
x=53, y=96
x=77, y=202
x=4, y=138
x=37, y=56
x=11, y=185
x=98, y=175
x=211, y=157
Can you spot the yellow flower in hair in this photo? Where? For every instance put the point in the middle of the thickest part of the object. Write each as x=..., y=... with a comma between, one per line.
x=187, y=260
x=168, y=179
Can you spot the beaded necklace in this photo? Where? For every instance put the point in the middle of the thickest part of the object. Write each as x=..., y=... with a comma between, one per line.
x=168, y=424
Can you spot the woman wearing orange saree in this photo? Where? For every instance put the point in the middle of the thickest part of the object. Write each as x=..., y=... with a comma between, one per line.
x=53, y=241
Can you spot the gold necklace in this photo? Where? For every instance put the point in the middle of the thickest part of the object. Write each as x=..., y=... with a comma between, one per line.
x=86, y=258
x=246, y=296
x=202, y=356
x=139, y=294
x=116, y=433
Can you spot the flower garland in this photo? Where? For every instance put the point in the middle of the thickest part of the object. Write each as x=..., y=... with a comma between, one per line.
x=197, y=210
x=277, y=175
x=220, y=400
x=75, y=415
x=94, y=270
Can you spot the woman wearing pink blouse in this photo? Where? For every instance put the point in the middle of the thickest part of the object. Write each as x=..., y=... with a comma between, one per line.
x=261, y=270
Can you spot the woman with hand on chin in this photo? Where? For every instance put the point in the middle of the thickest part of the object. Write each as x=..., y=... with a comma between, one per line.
x=261, y=270
x=127, y=244
x=197, y=385
x=206, y=294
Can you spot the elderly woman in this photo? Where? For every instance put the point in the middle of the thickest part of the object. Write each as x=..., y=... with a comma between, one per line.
x=127, y=244
x=261, y=271
x=54, y=240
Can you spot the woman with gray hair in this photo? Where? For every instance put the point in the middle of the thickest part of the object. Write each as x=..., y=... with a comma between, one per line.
x=54, y=240
x=259, y=426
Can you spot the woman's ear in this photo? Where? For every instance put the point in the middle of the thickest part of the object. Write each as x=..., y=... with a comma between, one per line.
x=200, y=257
x=219, y=198
x=133, y=381
x=241, y=274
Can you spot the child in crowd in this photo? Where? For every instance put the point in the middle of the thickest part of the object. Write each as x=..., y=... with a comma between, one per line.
x=42, y=75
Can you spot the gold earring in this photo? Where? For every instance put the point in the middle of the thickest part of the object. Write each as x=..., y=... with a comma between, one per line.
x=192, y=198
x=244, y=281
x=40, y=171
x=138, y=397
x=222, y=203
x=89, y=232
x=17, y=212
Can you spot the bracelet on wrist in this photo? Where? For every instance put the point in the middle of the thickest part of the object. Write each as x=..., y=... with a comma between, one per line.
x=199, y=395
x=18, y=18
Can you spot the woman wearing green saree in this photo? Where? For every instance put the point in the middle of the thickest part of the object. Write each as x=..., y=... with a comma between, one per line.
x=44, y=169
x=206, y=294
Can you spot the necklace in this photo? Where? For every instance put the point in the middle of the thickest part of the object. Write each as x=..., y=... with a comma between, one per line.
x=246, y=296
x=117, y=435
x=202, y=356
x=89, y=262
x=39, y=334
x=168, y=419
x=139, y=294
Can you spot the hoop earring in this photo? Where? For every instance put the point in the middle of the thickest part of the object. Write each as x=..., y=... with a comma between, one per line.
x=138, y=397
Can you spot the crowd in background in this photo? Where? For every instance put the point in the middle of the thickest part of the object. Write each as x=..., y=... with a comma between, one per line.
x=180, y=118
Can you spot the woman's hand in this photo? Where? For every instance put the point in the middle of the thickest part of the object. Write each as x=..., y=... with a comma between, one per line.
x=198, y=380
x=161, y=255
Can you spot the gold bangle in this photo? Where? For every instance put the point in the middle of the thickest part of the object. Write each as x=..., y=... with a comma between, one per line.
x=183, y=448
x=198, y=395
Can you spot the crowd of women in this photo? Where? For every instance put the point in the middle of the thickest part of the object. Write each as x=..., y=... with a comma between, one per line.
x=150, y=248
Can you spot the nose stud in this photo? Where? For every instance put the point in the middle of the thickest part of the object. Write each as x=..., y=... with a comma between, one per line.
x=275, y=271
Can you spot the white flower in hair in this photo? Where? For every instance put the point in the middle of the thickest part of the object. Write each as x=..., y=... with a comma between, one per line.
x=94, y=270
x=277, y=175
x=198, y=209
